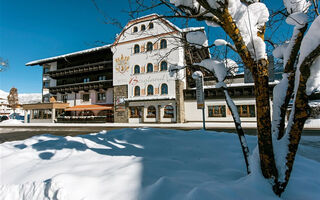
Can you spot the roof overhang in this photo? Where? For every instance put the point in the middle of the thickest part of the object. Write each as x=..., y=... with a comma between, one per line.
x=89, y=107
x=55, y=58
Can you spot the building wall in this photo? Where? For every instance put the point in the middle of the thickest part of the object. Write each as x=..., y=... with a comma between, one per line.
x=76, y=98
x=120, y=109
x=160, y=106
x=125, y=60
x=192, y=114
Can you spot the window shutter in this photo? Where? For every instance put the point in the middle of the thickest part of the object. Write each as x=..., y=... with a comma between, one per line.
x=156, y=91
x=156, y=68
x=142, y=69
x=155, y=45
x=228, y=111
x=142, y=48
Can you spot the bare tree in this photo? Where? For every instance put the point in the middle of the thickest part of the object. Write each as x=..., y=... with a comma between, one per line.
x=13, y=99
x=4, y=64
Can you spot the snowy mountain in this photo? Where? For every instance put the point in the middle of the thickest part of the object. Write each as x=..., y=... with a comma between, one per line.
x=24, y=98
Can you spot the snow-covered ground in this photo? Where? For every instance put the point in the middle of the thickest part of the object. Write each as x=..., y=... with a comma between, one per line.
x=143, y=163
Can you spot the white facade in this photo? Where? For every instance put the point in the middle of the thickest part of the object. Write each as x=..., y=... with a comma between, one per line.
x=142, y=56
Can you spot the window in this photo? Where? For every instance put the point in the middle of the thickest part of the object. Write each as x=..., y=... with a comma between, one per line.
x=135, y=112
x=246, y=110
x=137, y=91
x=143, y=27
x=151, y=112
x=46, y=70
x=85, y=97
x=42, y=114
x=217, y=111
x=135, y=29
x=149, y=67
x=64, y=98
x=163, y=66
x=150, y=90
x=163, y=44
x=164, y=89
x=149, y=46
x=136, y=48
x=86, y=113
x=102, y=78
x=151, y=25
x=46, y=84
x=86, y=80
x=137, y=69
x=101, y=96
x=168, y=111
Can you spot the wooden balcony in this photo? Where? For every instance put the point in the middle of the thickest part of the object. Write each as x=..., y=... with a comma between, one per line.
x=76, y=87
x=94, y=67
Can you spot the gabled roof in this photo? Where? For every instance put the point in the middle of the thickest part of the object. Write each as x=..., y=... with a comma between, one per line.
x=52, y=59
x=145, y=19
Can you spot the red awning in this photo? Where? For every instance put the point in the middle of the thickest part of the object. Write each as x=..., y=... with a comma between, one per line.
x=89, y=107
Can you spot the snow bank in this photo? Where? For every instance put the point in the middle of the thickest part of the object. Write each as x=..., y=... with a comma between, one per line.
x=11, y=121
x=142, y=164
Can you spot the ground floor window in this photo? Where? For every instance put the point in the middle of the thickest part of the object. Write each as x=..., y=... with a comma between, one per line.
x=168, y=111
x=85, y=97
x=246, y=110
x=42, y=114
x=151, y=112
x=101, y=96
x=108, y=114
x=64, y=98
x=217, y=111
x=135, y=112
x=86, y=113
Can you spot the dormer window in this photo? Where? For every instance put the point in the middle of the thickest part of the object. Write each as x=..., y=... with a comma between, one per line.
x=149, y=46
x=143, y=27
x=135, y=29
x=151, y=25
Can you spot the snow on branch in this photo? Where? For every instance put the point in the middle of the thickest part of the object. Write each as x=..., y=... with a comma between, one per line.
x=197, y=39
x=293, y=6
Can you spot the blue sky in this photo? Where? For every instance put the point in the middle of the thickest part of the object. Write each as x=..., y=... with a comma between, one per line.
x=36, y=29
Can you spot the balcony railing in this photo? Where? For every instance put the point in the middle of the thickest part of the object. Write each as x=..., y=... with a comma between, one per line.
x=75, y=87
x=98, y=66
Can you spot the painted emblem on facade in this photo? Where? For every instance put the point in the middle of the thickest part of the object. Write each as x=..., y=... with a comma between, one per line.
x=122, y=64
x=133, y=81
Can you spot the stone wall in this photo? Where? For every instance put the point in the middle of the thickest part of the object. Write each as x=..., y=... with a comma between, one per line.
x=120, y=107
x=180, y=101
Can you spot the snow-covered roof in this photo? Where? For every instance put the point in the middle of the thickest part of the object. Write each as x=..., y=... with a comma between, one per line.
x=51, y=59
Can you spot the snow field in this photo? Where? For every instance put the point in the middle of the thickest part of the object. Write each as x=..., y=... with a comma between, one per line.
x=142, y=163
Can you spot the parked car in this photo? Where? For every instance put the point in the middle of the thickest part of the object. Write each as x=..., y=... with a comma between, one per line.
x=4, y=117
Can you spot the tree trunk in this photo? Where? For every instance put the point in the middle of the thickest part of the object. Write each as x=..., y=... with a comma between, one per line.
x=289, y=68
x=267, y=161
x=299, y=115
